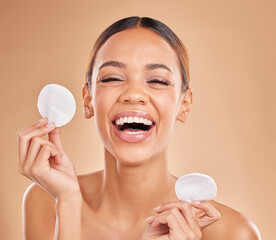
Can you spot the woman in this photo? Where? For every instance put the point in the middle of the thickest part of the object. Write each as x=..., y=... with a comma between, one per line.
x=138, y=71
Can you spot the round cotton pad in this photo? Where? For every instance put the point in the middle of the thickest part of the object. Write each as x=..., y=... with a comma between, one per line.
x=195, y=187
x=56, y=103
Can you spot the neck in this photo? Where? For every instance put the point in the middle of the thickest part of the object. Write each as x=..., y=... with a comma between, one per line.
x=133, y=191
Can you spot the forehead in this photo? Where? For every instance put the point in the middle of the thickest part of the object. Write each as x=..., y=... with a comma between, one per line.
x=136, y=47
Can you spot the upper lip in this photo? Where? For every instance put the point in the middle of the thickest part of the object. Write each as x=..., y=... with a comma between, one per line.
x=133, y=113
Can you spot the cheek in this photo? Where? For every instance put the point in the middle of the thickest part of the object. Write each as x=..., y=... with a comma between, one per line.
x=104, y=99
x=166, y=105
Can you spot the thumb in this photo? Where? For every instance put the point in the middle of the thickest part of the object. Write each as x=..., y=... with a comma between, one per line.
x=54, y=137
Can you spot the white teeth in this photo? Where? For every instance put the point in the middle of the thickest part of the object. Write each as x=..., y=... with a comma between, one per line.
x=136, y=119
x=123, y=120
x=134, y=132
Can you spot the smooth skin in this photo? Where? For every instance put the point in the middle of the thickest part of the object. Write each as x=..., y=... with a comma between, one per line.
x=113, y=203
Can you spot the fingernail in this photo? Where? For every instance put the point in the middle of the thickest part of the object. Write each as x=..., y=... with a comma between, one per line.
x=196, y=202
x=42, y=120
x=149, y=218
x=50, y=125
x=156, y=208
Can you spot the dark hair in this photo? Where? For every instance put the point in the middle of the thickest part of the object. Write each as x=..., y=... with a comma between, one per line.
x=160, y=28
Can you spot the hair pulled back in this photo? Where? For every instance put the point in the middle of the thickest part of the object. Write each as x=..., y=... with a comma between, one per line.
x=154, y=25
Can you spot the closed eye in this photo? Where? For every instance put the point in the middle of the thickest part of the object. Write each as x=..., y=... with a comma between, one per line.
x=110, y=79
x=158, y=81
x=152, y=81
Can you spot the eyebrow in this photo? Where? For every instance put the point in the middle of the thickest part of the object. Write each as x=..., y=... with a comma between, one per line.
x=149, y=66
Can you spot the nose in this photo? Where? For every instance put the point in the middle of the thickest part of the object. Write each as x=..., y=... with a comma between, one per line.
x=134, y=94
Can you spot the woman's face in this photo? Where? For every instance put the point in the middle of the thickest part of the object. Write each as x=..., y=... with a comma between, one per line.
x=134, y=90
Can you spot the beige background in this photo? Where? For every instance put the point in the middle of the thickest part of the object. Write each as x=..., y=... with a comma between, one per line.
x=231, y=133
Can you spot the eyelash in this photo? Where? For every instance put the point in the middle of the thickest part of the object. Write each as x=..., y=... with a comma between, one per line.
x=154, y=80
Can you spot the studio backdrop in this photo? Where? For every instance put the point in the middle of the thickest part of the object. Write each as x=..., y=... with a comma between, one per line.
x=231, y=131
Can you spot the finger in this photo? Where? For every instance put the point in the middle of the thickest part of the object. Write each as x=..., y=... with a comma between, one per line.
x=39, y=123
x=187, y=213
x=41, y=164
x=41, y=167
x=166, y=206
x=174, y=211
x=211, y=214
x=19, y=134
x=55, y=138
x=204, y=205
x=36, y=144
x=24, y=140
x=190, y=217
x=182, y=221
x=174, y=226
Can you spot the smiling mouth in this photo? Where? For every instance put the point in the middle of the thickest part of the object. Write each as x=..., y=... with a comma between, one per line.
x=133, y=126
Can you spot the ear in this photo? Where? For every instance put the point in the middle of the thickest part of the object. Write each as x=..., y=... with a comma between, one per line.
x=87, y=102
x=185, y=106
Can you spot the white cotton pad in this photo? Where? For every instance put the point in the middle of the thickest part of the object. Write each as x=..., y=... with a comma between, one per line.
x=56, y=103
x=195, y=187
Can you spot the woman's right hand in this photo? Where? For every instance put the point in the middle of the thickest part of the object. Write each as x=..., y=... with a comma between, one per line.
x=45, y=161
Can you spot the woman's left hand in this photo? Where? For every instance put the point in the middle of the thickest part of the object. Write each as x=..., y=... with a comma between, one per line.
x=177, y=221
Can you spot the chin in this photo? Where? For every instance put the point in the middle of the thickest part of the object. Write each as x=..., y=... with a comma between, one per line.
x=133, y=157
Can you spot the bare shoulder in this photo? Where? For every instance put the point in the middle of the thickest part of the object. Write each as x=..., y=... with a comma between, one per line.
x=231, y=225
x=38, y=213
x=39, y=206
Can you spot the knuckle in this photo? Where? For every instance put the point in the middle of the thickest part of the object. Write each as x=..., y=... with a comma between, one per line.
x=46, y=147
x=26, y=170
x=174, y=210
x=21, y=170
x=186, y=205
x=22, y=137
x=36, y=139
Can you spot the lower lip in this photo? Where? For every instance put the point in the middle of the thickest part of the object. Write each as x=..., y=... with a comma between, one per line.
x=132, y=138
